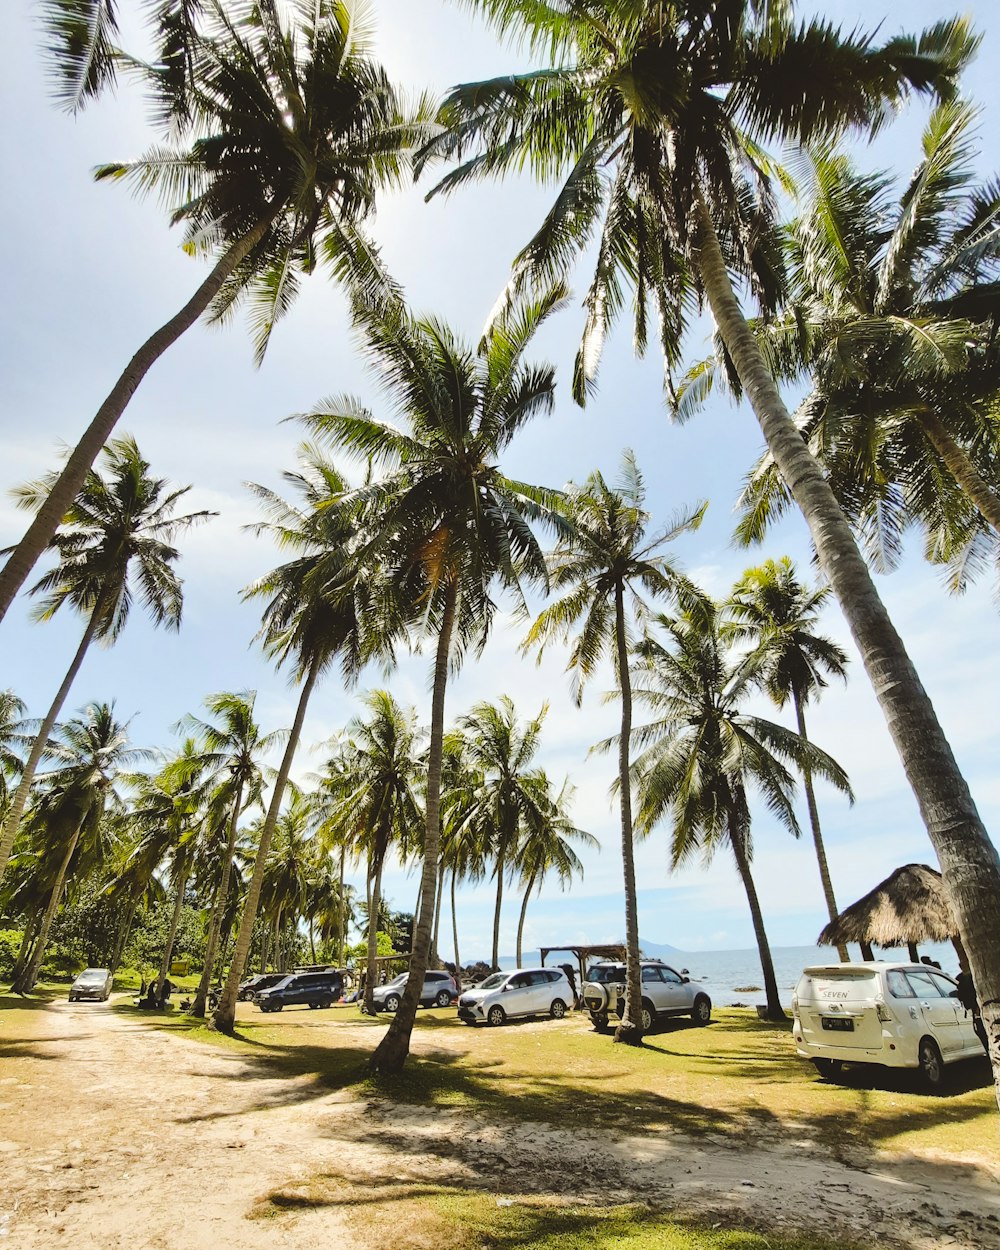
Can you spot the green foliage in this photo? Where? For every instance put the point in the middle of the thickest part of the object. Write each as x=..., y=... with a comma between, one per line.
x=358, y=953
x=149, y=935
x=87, y=928
x=10, y=944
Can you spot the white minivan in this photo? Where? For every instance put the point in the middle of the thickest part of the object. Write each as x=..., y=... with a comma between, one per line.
x=901, y=1015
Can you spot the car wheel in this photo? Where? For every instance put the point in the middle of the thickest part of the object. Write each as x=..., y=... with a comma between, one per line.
x=443, y=999
x=392, y=1002
x=313, y=1006
x=701, y=1012
x=599, y=1021
x=277, y=1006
x=496, y=1015
x=829, y=1069
x=647, y=1016
x=930, y=1064
x=558, y=1009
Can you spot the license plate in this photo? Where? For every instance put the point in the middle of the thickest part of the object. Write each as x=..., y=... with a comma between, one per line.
x=838, y=1024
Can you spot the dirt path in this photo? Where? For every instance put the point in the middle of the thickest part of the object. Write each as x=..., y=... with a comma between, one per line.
x=115, y=1135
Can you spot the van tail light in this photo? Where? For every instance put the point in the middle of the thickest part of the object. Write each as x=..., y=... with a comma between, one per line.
x=883, y=1013
x=795, y=1004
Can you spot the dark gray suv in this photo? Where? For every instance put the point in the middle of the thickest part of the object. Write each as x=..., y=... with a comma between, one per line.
x=318, y=989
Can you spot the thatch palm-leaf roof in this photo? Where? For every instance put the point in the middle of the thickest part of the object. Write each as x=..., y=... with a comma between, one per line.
x=909, y=906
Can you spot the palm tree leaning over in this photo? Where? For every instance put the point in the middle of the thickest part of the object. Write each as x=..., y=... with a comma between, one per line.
x=115, y=540
x=770, y=609
x=448, y=526
x=90, y=750
x=282, y=130
x=233, y=748
x=322, y=605
x=892, y=322
x=659, y=112
x=703, y=753
x=605, y=564
x=546, y=847
x=512, y=796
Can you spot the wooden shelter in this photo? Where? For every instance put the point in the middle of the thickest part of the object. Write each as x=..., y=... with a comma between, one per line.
x=908, y=907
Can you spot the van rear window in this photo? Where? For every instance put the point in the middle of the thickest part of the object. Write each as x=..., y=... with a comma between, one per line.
x=841, y=987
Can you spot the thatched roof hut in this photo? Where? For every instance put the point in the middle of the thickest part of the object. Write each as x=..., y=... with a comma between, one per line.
x=908, y=907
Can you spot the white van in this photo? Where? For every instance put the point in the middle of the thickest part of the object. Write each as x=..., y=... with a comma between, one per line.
x=901, y=1015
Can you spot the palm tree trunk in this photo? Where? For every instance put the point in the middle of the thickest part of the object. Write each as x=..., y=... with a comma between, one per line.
x=375, y=898
x=774, y=1008
x=454, y=929
x=175, y=921
x=630, y=1028
x=439, y=899
x=312, y=941
x=342, y=915
x=824, y=867
x=969, y=861
x=121, y=941
x=200, y=1003
x=224, y=1018
x=27, y=946
x=391, y=1052
x=26, y=981
x=24, y=556
x=13, y=821
x=958, y=464
x=501, y=867
x=524, y=909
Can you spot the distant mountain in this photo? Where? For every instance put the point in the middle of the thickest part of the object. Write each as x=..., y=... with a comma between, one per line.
x=657, y=950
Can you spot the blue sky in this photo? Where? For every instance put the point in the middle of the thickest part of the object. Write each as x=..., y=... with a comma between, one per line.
x=90, y=272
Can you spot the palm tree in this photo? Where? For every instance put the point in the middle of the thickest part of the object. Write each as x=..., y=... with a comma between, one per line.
x=512, y=796
x=772, y=610
x=604, y=562
x=703, y=754
x=546, y=847
x=324, y=604
x=659, y=112
x=280, y=132
x=232, y=748
x=893, y=316
x=450, y=525
x=465, y=840
x=379, y=807
x=67, y=816
x=287, y=871
x=12, y=740
x=116, y=539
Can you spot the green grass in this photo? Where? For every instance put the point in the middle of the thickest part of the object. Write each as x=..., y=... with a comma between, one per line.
x=738, y=1078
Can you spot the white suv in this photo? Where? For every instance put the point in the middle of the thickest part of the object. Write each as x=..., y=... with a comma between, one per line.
x=523, y=992
x=901, y=1015
x=665, y=992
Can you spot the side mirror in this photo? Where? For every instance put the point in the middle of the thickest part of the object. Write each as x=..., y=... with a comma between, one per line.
x=953, y=994
x=685, y=980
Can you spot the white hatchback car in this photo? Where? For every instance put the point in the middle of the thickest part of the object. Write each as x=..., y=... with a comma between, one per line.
x=901, y=1015
x=523, y=992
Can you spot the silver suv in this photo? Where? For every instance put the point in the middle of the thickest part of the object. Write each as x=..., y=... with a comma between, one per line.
x=665, y=992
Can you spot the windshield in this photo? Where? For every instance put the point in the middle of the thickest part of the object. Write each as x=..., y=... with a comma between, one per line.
x=493, y=982
x=279, y=985
x=604, y=973
x=400, y=980
x=93, y=975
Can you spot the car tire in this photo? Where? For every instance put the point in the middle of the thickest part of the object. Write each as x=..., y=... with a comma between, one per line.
x=558, y=1009
x=930, y=1064
x=314, y=1006
x=496, y=1015
x=701, y=1012
x=599, y=1021
x=277, y=1007
x=443, y=999
x=392, y=1002
x=647, y=1014
x=829, y=1069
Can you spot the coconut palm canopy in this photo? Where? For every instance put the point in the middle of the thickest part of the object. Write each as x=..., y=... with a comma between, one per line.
x=909, y=906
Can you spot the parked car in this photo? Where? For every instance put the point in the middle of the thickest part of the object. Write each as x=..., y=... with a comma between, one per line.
x=523, y=992
x=318, y=989
x=439, y=990
x=92, y=984
x=252, y=986
x=900, y=1015
x=665, y=993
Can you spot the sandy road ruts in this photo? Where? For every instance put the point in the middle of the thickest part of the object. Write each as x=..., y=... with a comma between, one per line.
x=115, y=1135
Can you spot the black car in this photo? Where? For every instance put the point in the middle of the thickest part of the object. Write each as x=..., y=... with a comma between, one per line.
x=250, y=988
x=318, y=989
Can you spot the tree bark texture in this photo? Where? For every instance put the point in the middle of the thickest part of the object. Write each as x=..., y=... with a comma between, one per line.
x=175, y=920
x=438, y=900
x=969, y=862
x=200, y=1004
x=501, y=869
x=13, y=821
x=824, y=867
x=374, y=902
x=454, y=930
x=25, y=555
x=774, y=1009
x=524, y=910
x=390, y=1054
x=224, y=1018
x=26, y=981
x=630, y=1028
x=342, y=915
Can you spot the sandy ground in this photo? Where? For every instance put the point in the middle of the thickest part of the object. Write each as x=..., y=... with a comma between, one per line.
x=115, y=1135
